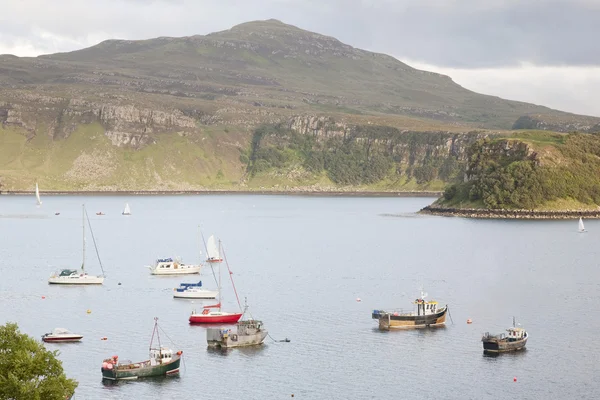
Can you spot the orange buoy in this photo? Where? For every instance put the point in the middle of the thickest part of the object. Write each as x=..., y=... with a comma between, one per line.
x=43, y=297
x=103, y=338
x=469, y=321
x=89, y=311
x=515, y=379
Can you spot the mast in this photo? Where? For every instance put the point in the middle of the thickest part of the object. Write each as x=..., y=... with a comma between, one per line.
x=220, y=299
x=83, y=231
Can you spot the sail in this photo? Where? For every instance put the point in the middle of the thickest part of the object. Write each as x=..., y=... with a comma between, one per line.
x=218, y=305
x=581, y=227
x=127, y=210
x=212, y=249
x=37, y=194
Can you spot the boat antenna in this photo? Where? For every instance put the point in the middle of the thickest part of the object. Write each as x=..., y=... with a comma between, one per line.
x=231, y=276
x=514, y=322
x=83, y=230
x=155, y=330
x=246, y=308
x=93, y=239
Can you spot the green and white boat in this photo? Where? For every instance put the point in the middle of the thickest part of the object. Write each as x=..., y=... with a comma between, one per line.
x=163, y=361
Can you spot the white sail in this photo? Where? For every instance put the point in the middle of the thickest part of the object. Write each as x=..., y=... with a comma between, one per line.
x=127, y=210
x=212, y=249
x=37, y=195
x=581, y=227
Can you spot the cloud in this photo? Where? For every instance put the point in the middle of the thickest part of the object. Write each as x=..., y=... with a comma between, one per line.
x=573, y=89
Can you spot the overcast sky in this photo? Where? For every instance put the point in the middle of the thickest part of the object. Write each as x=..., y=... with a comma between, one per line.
x=541, y=51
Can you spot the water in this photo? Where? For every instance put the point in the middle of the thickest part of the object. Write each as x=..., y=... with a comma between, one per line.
x=302, y=262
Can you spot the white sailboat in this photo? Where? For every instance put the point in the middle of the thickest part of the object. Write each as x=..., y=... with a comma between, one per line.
x=79, y=277
x=212, y=250
x=127, y=210
x=37, y=195
x=581, y=227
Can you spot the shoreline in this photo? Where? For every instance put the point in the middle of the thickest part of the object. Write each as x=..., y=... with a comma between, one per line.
x=221, y=192
x=509, y=214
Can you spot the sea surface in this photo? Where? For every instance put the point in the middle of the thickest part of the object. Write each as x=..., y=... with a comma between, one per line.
x=302, y=262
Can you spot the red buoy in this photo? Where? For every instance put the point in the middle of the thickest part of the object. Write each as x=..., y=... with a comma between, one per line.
x=515, y=379
x=43, y=297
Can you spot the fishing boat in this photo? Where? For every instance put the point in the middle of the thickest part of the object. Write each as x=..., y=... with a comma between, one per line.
x=126, y=210
x=248, y=332
x=581, y=227
x=163, y=362
x=426, y=314
x=38, y=201
x=79, y=276
x=61, y=335
x=213, y=314
x=514, y=340
x=193, y=291
x=169, y=266
x=212, y=251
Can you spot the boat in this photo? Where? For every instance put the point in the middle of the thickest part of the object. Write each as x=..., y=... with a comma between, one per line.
x=168, y=266
x=163, y=362
x=581, y=227
x=61, y=335
x=248, y=332
x=100, y=213
x=37, y=195
x=127, y=210
x=79, y=276
x=213, y=314
x=514, y=340
x=57, y=213
x=427, y=314
x=193, y=291
x=212, y=251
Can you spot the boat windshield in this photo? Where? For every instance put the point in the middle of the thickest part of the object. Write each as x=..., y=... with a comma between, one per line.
x=67, y=272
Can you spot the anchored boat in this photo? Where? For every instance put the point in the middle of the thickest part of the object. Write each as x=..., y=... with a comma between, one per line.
x=163, y=361
x=61, y=335
x=249, y=332
x=38, y=201
x=168, y=266
x=126, y=210
x=210, y=316
x=427, y=314
x=79, y=277
x=514, y=340
x=193, y=291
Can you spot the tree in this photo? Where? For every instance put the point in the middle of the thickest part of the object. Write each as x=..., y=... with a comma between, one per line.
x=28, y=371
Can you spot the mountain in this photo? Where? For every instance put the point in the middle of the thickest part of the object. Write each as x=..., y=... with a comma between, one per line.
x=182, y=113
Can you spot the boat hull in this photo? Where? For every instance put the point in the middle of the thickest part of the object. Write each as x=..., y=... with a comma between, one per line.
x=494, y=346
x=389, y=320
x=204, y=294
x=166, y=369
x=65, y=339
x=215, y=339
x=215, y=319
x=176, y=271
x=85, y=280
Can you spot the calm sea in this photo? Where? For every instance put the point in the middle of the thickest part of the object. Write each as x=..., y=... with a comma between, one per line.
x=302, y=262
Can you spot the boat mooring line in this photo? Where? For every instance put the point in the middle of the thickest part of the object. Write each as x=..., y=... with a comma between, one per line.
x=450, y=315
x=286, y=340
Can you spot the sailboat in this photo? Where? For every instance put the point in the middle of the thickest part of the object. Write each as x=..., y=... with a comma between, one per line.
x=213, y=251
x=79, y=277
x=127, y=210
x=581, y=227
x=211, y=316
x=37, y=195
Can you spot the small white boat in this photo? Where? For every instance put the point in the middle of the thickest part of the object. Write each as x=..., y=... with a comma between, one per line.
x=168, y=266
x=581, y=227
x=126, y=210
x=37, y=195
x=78, y=276
x=193, y=291
x=61, y=335
x=212, y=250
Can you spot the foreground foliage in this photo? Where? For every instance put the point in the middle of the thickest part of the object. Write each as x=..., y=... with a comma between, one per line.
x=28, y=371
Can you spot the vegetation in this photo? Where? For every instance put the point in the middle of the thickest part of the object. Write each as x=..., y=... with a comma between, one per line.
x=28, y=371
x=509, y=174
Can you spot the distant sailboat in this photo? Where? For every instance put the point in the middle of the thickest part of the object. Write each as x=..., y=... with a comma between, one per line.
x=127, y=210
x=37, y=195
x=213, y=250
x=581, y=227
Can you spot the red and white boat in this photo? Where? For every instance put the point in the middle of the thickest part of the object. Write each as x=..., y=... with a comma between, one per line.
x=61, y=335
x=208, y=314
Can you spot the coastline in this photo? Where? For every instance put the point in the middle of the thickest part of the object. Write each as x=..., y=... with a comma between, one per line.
x=509, y=214
x=223, y=192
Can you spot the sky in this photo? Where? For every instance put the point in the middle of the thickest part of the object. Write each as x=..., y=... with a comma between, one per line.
x=540, y=51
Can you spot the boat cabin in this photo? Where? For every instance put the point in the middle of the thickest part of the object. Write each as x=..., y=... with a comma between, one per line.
x=515, y=334
x=249, y=327
x=166, y=263
x=426, y=307
x=160, y=356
